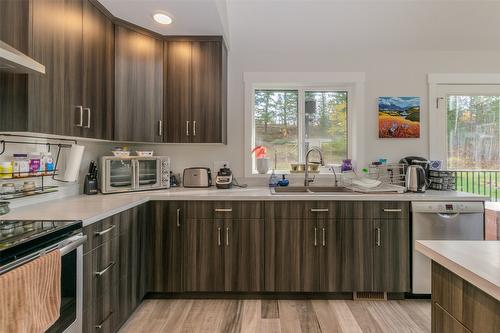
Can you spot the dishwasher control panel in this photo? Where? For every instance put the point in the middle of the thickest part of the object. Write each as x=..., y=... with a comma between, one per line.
x=448, y=207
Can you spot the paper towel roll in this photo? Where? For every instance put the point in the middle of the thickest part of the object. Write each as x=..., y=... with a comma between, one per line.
x=73, y=162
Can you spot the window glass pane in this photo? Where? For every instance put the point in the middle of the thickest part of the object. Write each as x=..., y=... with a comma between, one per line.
x=473, y=132
x=276, y=115
x=326, y=123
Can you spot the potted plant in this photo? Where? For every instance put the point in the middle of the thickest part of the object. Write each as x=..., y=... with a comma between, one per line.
x=262, y=161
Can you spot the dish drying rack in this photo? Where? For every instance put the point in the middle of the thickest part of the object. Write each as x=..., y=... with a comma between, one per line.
x=391, y=174
x=42, y=188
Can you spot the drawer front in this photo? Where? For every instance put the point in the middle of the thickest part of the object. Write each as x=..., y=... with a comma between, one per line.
x=443, y=322
x=302, y=209
x=225, y=210
x=386, y=209
x=102, y=316
x=101, y=271
x=100, y=232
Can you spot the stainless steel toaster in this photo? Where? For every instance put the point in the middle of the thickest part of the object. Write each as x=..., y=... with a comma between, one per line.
x=197, y=177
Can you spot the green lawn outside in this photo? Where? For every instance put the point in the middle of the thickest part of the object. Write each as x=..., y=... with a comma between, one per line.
x=480, y=182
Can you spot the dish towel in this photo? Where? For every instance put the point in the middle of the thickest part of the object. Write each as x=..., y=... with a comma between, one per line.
x=30, y=295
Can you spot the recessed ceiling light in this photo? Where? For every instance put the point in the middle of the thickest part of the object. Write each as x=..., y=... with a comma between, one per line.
x=162, y=18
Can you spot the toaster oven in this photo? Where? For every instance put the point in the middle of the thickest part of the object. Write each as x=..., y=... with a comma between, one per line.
x=134, y=173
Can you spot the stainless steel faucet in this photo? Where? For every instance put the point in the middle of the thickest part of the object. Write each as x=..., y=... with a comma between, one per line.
x=307, y=180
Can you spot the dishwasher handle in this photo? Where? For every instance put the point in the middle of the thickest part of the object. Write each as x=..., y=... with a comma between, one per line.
x=448, y=216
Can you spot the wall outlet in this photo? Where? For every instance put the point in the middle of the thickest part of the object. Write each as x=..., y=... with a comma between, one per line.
x=219, y=165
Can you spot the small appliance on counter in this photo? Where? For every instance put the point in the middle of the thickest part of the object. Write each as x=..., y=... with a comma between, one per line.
x=134, y=173
x=197, y=177
x=224, y=178
x=90, y=185
x=415, y=160
x=415, y=179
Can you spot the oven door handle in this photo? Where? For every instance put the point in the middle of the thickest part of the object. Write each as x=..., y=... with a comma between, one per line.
x=75, y=242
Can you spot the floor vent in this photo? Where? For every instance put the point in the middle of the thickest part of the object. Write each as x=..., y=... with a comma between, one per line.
x=370, y=296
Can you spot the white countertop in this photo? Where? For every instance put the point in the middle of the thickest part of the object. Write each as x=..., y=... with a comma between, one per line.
x=93, y=208
x=477, y=262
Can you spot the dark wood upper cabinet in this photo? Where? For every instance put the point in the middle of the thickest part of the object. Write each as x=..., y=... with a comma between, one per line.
x=195, y=107
x=177, y=113
x=55, y=99
x=138, y=86
x=98, y=74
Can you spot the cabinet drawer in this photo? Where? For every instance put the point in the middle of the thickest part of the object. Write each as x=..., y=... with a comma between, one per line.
x=386, y=209
x=100, y=232
x=302, y=209
x=101, y=271
x=102, y=316
x=225, y=210
x=443, y=322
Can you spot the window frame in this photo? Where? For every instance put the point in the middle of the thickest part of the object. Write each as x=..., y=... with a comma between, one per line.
x=440, y=86
x=348, y=82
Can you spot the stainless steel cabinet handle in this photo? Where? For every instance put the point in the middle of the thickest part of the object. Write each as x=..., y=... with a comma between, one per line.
x=80, y=109
x=378, y=236
x=227, y=236
x=315, y=236
x=187, y=127
x=160, y=127
x=105, y=231
x=315, y=210
x=218, y=237
x=324, y=236
x=194, y=127
x=223, y=210
x=88, y=118
x=99, y=326
x=178, y=213
x=101, y=273
x=393, y=210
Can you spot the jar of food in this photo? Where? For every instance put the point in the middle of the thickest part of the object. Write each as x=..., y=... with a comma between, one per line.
x=6, y=170
x=8, y=188
x=29, y=187
x=34, y=164
x=21, y=165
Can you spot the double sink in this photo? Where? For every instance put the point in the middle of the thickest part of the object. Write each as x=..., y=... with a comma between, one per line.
x=312, y=190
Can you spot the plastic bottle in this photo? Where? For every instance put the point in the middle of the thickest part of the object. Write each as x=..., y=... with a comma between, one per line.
x=273, y=180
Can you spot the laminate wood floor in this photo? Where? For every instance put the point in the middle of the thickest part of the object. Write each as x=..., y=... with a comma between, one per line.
x=207, y=315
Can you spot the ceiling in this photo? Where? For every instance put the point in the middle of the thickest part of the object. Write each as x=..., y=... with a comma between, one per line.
x=190, y=17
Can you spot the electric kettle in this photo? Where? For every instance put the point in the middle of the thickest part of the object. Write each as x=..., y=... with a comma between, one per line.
x=415, y=178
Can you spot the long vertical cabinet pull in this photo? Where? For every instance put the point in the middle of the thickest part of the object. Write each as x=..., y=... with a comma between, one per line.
x=160, y=127
x=378, y=236
x=194, y=127
x=178, y=216
x=88, y=117
x=227, y=236
x=315, y=236
x=187, y=127
x=324, y=236
x=219, y=243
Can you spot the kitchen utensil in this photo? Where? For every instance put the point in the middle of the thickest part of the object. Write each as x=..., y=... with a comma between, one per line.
x=197, y=177
x=415, y=179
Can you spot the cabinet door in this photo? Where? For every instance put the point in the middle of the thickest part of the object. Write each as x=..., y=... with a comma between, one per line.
x=291, y=255
x=336, y=239
x=203, y=255
x=98, y=73
x=363, y=247
x=178, y=91
x=206, y=108
x=55, y=99
x=138, y=86
x=391, y=255
x=244, y=255
x=166, y=246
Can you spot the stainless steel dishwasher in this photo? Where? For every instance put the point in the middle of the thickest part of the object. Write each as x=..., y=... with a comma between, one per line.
x=442, y=221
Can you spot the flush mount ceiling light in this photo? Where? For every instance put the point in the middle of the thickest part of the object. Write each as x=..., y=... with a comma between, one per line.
x=162, y=18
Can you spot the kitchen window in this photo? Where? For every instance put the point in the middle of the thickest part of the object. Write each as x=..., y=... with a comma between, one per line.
x=290, y=121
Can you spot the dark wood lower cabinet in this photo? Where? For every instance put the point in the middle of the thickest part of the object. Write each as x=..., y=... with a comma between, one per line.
x=459, y=306
x=292, y=261
x=203, y=255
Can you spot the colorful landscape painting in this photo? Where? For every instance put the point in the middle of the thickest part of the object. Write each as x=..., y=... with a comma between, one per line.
x=399, y=117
